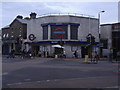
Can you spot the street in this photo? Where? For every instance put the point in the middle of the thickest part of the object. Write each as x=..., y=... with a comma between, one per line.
x=58, y=73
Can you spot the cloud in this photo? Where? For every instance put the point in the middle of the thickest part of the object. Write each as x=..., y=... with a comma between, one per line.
x=62, y=8
x=11, y=9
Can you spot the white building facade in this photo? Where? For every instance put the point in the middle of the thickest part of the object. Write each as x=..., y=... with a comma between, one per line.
x=45, y=32
x=110, y=37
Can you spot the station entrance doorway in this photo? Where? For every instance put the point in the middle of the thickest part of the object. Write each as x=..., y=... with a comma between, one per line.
x=84, y=51
x=58, y=50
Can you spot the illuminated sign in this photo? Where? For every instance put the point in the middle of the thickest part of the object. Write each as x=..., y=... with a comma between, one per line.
x=59, y=32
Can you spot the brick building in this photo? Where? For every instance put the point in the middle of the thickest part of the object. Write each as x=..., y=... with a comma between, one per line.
x=14, y=35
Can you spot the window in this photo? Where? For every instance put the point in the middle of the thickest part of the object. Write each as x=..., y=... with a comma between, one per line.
x=4, y=36
x=7, y=35
x=59, y=31
x=105, y=43
x=74, y=32
x=45, y=32
x=74, y=48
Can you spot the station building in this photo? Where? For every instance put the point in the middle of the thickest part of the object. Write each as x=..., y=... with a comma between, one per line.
x=61, y=33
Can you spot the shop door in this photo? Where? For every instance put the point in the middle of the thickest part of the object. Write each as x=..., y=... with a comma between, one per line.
x=84, y=51
x=58, y=50
x=35, y=50
x=5, y=49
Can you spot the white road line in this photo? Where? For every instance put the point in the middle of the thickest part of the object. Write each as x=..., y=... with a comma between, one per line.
x=15, y=83
x=27, y=79
x=47, y=80
x=38, y=81
x=53, y=80
x=113, y=87
x=5, y=73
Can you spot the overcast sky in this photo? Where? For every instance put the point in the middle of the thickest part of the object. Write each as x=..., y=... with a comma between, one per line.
x=11, y=9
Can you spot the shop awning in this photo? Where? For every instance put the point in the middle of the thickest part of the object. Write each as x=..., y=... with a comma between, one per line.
x=58, y=46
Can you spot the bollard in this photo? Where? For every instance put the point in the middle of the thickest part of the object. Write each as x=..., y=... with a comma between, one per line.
x=86, y=58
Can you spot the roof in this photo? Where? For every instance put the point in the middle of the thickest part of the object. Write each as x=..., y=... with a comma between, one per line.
x=7, y=26
x=110, y=24
x=24, y=21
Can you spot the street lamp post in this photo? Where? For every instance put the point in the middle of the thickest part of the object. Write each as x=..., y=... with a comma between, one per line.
x=99, y=23
x=99, y=32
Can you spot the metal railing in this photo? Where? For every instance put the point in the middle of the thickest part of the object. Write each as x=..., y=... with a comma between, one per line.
x=66, y=14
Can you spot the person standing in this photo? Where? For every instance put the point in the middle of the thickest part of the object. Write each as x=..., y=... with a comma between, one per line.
x=12, y=53
x=110, y=57
x=96, y=57
x=39, y=53
x=76, y=54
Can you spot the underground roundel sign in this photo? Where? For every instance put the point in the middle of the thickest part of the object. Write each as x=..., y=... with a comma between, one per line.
x=59, y=32
x=32, y=37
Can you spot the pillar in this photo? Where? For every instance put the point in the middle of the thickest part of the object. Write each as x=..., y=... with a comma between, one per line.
x=49, y=32
x=68, y=32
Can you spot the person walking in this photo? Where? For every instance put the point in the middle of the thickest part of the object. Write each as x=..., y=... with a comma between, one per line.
x=96, y=57
x=12, y=53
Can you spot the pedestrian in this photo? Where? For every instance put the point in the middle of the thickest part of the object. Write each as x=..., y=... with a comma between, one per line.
x=110, y=57
x=73, y=55
x=96, y=57
x=23, y=53
x=39, y=53
x=76, y=54
x=12, y=53
x=29, y=53
x=64, y=54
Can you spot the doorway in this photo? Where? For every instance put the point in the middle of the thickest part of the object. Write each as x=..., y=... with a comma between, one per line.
x=84, y=51
x=35, y=50
x=58, y=50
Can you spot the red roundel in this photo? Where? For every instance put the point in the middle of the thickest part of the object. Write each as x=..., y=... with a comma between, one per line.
x=32, y=37
x=59, y=32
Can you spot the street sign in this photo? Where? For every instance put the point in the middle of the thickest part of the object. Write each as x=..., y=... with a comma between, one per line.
x=31, y=37
x=59, y=32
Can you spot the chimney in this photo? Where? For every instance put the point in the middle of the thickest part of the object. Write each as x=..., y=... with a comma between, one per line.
x=20, y=17
x=33, y=15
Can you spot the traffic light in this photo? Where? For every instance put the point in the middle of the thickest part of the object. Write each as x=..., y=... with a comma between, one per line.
x=90, y=39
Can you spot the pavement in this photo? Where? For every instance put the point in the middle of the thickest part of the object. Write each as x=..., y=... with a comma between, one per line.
x=59, y=73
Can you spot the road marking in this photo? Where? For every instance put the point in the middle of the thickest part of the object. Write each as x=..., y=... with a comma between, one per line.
x=38, y=81
x=27, y=79
x=15, y=83
x=47, y=80
x=5, y=73
x=113, y=87
x=50, y=80
x=10, y=84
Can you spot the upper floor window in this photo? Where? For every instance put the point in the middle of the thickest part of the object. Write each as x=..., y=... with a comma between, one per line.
x=45, y=32
x=74, y=32
x=59, y=31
